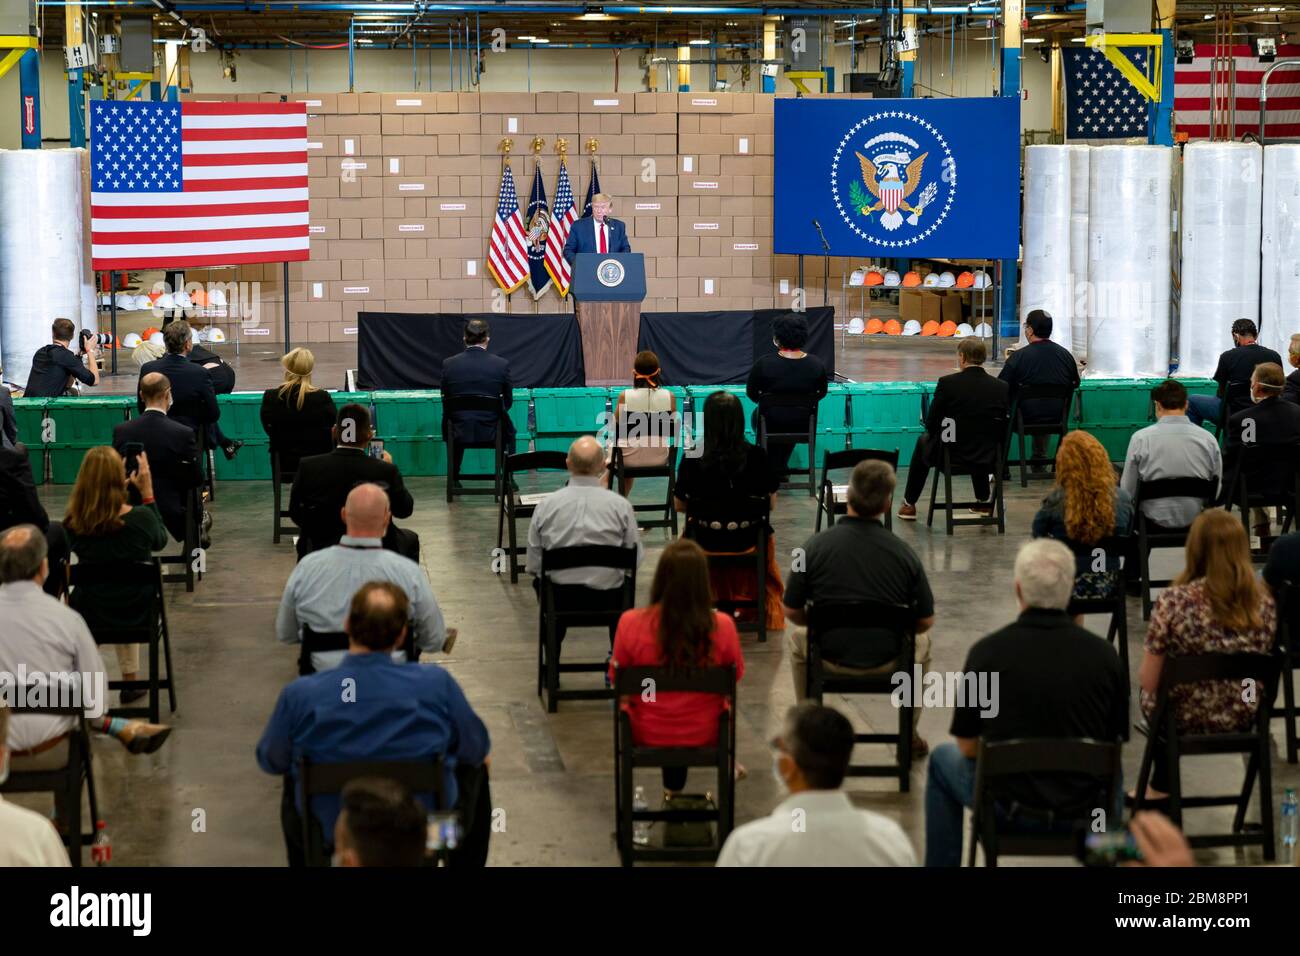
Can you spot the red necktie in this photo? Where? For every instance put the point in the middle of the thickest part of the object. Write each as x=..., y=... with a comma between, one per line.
x=600, y=228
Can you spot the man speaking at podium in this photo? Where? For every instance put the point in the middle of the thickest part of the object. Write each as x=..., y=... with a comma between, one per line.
x=599, y=233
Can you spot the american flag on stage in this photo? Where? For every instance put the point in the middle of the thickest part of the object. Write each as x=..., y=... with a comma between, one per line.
x=508, y=250
x=1192, y=91
x=197, y=184
x=1100, y=102
x=563, y=215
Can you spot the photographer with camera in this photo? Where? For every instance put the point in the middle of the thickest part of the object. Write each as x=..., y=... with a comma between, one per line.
x=55, y=367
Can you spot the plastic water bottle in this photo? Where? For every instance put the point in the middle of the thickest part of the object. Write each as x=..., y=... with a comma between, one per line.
x=101, y=851
x=1290, y=822
x=640, y=828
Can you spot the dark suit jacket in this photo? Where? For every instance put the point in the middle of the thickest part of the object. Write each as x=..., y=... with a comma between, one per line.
x=193, y=400
x=972, y=391
x=298, y=433
x=1040, y=363
x=19, y=503
x=8, y=424
x=321, y=488
x=1275, y=423
x=1291, y=392
x=221, y=374
x=173, y=459
x=582, y=237
x=476, y=371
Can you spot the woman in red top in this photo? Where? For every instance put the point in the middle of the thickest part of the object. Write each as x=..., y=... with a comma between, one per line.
x=679, y=631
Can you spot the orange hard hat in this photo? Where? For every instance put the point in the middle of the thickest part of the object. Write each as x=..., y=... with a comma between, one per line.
x=874, y=278
x=965, y=280
x=930, y=328
x=154, y=296
x=875, y=326
x=148, y=332
x=948, y=328
x=199, y=298
x=911, y=280
x=892, y=327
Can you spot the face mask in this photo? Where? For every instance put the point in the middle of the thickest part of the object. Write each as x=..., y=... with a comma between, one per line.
x=776, y=770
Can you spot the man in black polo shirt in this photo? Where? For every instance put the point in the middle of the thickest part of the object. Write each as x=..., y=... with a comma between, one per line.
x=859, y=559
x=1040, y=362
x=1053, y=679
x=54, y=366
x=1235, y=367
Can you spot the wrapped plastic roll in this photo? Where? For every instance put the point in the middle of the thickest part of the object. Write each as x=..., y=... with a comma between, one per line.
x=1280, y=248
x=42, y=251
x=1045, y=282
x=1220, y=249
x=1128, y=260
x=1079, y=250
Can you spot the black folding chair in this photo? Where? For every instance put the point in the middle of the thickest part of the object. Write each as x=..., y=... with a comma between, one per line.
x=1110, y=552
x=735, y=533
x=1038, y=757
x=279, y=478
x=1233, y=396
x=551, y=614
x=1288, y=645
x=64, y=782
x=1163, y=731
x=1265, y=476
x=977, y=449
x=1150, y=536
x=453, y=405
x=329, y=779
x=859, y=616
x=154, y=633
x=187, y=558
x=801, y=401
x=630, y=683
x=511, y=509
x=664, y=429
x=1021, y=429
x=829, y=502
x=324, y=642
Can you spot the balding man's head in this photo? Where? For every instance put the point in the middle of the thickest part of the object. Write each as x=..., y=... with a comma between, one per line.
x=586, y=457
x=154, y=389
x=22, y=554
x=366, y=512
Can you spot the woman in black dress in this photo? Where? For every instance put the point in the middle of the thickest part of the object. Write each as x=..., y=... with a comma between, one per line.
x=297, y=416
x=789, y=371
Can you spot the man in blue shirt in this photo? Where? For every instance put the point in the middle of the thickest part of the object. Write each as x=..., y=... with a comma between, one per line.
x=370, y=708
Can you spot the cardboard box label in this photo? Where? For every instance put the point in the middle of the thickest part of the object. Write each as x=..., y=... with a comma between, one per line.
x=312, y=102
x=356, y=290
x=411, y=227
x=410, y=187
x=353, y=330
x=708, y=287
x=744, y=145
x=451, y=207
x=257, y=331
x=315, y=229
x=688, y=164
x=785, y=286
x=744, y=246
x=394, y=165
x=711, y=101
x=471, y=268
x=353, y=164
x=311, y=145
x=512, y=124
x=349, y=146
x=704, y=185
x=647, y=205
x=706, y=225
x=406, y=103
x=613, y=102
x=318, y=290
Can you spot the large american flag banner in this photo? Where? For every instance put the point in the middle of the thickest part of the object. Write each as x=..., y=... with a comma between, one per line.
x=197, y=184
x=563, y=215
x=1192, y=93
x=508, y=248
x=1100, y=102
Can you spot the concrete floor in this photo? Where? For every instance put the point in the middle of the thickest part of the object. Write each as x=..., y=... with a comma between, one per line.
x=551, y=774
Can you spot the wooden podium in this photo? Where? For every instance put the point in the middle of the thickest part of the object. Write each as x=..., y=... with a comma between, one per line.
x=607, y=294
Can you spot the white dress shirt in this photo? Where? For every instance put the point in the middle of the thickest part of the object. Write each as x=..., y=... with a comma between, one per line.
x=583, y=512
x=1171, y=448
x=28, y=839
x=818, y=828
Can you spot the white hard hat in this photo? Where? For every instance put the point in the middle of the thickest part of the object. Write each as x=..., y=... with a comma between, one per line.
x=984, y=330
x=913, y=327
x=198, y=335
x=856, y=325
x=964, y=330
x=982, y=280
x=216, y=335
x=156, y=338
x=216, y=298
x=931, y=280
x=182, y=300
x=106, y=299
x=131, y=340
x=947, y=280
x=125, y=301
x=166, y=302
x=143, y=303
x=893, y=279
x=858, y=277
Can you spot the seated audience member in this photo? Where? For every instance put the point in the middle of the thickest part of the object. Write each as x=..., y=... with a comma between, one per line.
x=1283, y=563
x=1039, y=362
x=297, y=416
x=679, y=631
x=323, y=482
x=583, y=512
x=104, y=529
x=1171, y=448
x=730, y=468
x=810, y=759
x=170, y=446
x=56, y=366
x=222, y=376
x=27, y=838
x=788, y=371
x=380, y=824
x=1292, y=391
x=640, y=428
x=476, y=371
x=320, y=589
x=398, y=712
x=1216, y=606
x=1269, y=421
x=42, y=635
x=1235, y=367
x=1055, y=679
x=8, y=420
x=1084, y=507
x=859, y=559
x=968, y=391
x=194, y=403
x=20, y=504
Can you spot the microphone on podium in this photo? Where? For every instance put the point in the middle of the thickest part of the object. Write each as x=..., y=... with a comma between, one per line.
x=825, y=245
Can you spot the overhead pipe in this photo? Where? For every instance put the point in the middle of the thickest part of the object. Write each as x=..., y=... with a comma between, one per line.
x=410, y=8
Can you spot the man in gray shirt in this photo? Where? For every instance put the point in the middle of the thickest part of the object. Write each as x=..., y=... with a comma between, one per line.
x=1171, y=448
x=583, y=512
x=319, y=592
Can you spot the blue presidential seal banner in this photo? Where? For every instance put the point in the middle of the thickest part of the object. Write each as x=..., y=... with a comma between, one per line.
x=905, y=178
